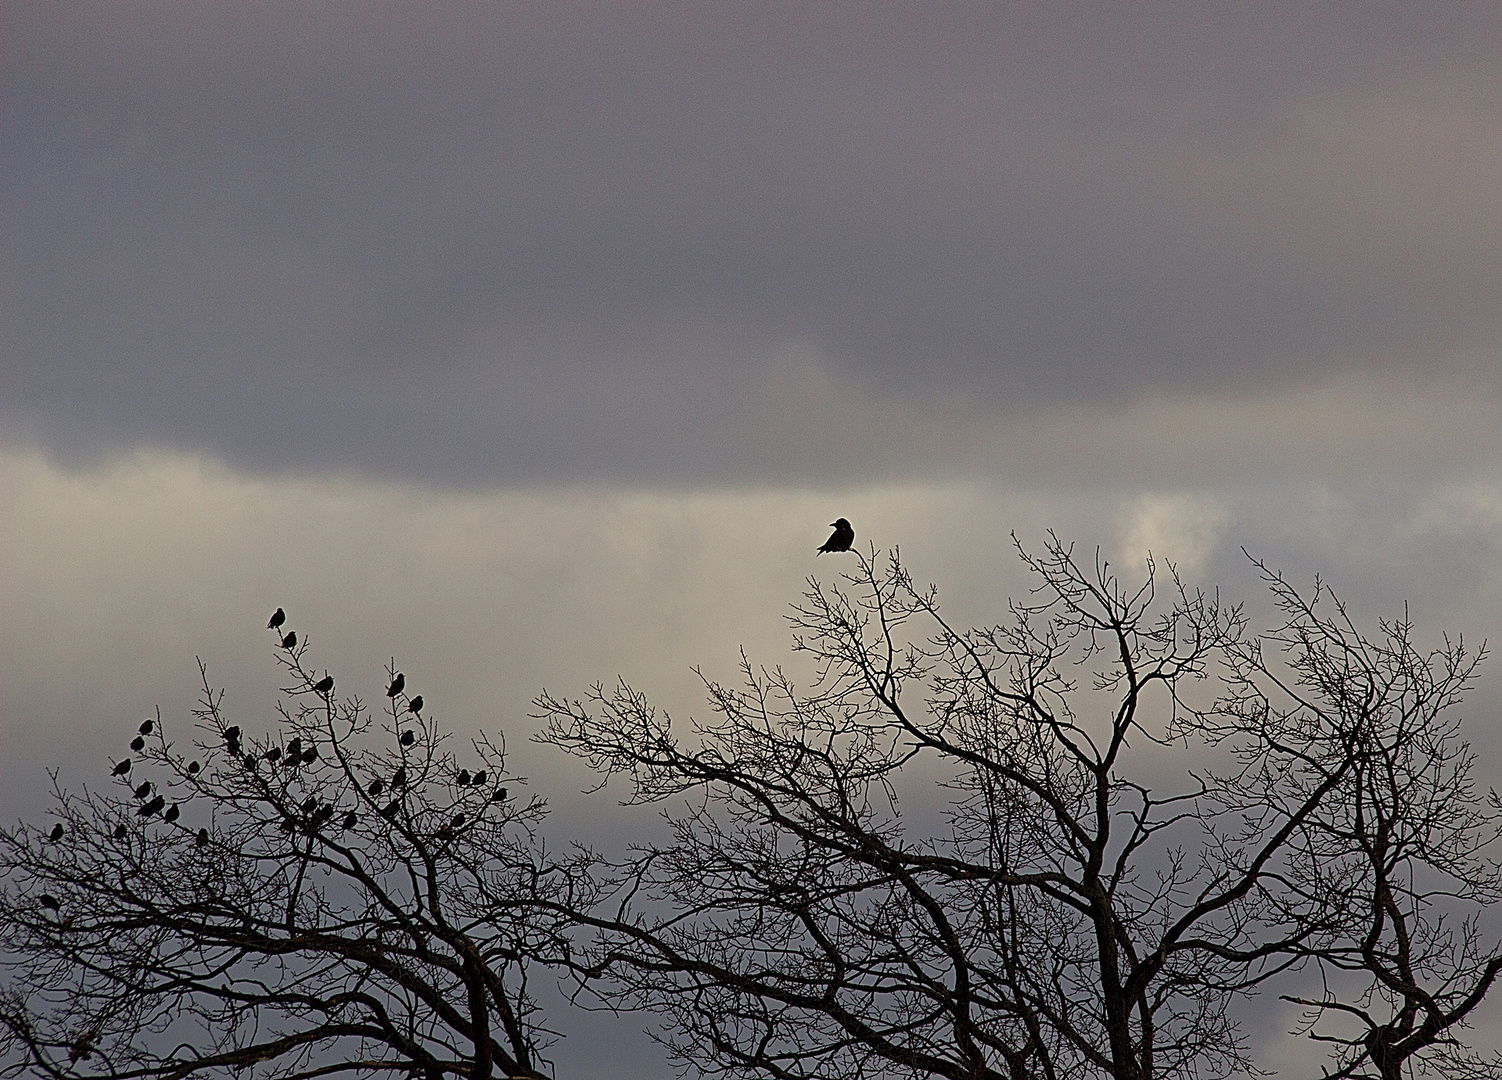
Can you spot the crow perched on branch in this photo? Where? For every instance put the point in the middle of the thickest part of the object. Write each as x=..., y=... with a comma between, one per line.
x=277, y=618
x=396, y=685
x=121, y=768
x=290, y=641
x=842, y=538
x=324, y=685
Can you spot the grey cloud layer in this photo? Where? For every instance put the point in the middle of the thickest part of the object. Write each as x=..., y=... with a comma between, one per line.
x=505, y=243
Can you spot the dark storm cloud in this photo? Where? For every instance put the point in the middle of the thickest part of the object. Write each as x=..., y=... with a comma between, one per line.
x=513, y=242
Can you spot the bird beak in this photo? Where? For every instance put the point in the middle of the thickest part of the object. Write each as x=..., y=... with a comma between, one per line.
x=832, y=524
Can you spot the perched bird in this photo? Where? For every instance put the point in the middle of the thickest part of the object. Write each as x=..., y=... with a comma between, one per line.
x=146, y=726
x=152, y=807
x=121, y=831
x=408, y=737
x=290, y=640
x=480, y=778
x=350, y=819
x=310, y=754
x=138, y=744
x=251, y=761
x=277, y=618
x=144, y=790
x=273, y=754
x=843, y=537
x=57, y=832
x=397, y=683
x=376, y=787
x=399, y=778
x=193, y=768
x=232, y=733
x=499, y=796
x=202, y=840
x=392, y=807
x=50, y=902
x=415, y=705
x=121, y=767
x=324, y=685
x=457, y=821
x=294, y=749
x=172, y=813
x=463, y=777
x=310, y=804
x=82, y=1049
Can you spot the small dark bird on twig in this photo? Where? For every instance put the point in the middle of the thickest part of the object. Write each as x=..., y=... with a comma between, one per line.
x=172, y=813
x=152, y=807
x=324, y=685
x=480, y=778
x=202, y=840
x=232, y=733
x=397, y=684
x=144, y=790
x=310, y=804
x=310, y=755
x=273, y=754
x=294, y=748
x=351, y=819
x=57, y=832
x=138, y=744
x=121, y=767
x=277, y=618
x=408, y=737
x=415, y=705
x=463, y=777
x=193, y=768
x=390, y=809
x=146, y=726
x=121, y=831
x=290, y=640
x=399, y=778
x=376, y=787
x=50, y=902
x=843, y=537
x=499, y=796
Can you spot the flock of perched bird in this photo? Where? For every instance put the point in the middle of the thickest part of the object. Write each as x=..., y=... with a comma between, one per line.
x=295, y=754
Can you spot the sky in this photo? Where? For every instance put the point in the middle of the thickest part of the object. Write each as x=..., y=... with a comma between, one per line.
x=536, y=344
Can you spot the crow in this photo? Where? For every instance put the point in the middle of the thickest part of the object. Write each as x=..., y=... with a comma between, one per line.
x=324, y=685
x=273, y=754
x=310, y=755
x=138, y=744
x=463, y=777
x=193, y=768
x=145, y=728
x=203, y=838
x=121, y=768
x=408, y=737
x=172, y=813
x=499, y=796
x=152, y=807
x=480, y=778
x=399, y=778
x=415, y=705
x=50, y=902
x=376, y=787
x=290, y=640
x=396, y=685
x=232, y=733
x=294, y=748
x=121, y=831
x=277, y=618
x=351, y=819
x=57, y=832
x=843, y=537
x=144, y=790
x=390, y=809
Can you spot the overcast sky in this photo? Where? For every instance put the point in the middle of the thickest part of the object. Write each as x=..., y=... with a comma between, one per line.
x=533, y=344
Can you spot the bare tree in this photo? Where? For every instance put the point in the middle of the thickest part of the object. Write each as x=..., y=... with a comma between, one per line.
x=337, y=896
x=1060, y=915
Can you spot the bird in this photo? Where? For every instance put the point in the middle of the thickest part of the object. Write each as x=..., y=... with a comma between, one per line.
x=121, y=831
x=290, y=640
x=415, y=705
x=57, y=832
x=121, y=767
x=479, y=779
x=499, y=796
x=202, y=840
x=144, y=790
x=232, y=733
x=145, y=728
x=399, y=778
x=277, y=618
x=193, y=768
x=50, y=902
x=138, y=744
x=457, y=820
x=250, y=762
x=172, y=813
x=397, y=682
x=351, y=819
x=408, y=737
x=463, y=777
x=376, y=787
x=294, y=748
x=310, y=804
x=152, y=807
x=843, y=537
x=392, y=807
x=324, y=685
x=310, y=755
x=273, y=754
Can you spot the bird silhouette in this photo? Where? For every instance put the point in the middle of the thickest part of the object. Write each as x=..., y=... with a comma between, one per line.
x=408, y=737
x=144, y=790
x=415, y=705
x=842, y=538
x=480, y=778
x=376, y=787
x=193, y=768
x=499, y=796
x=396, y=685
x=399, y=778
x=202, y=839
x=50, y=902
x=232, y=733
x=324, y=685
x=277, y=618
x=290, y=640
x=310, y=804
x=463, y=777
x=152, y=807
x=138, y=744
x=273, y=754
x=310, y=755
x=392, y=807
x=172, y=813
x=351, y=819
x=121, y=831
x=146, y=726
x=121, y=768
x=57, y=832
x=294, y=749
